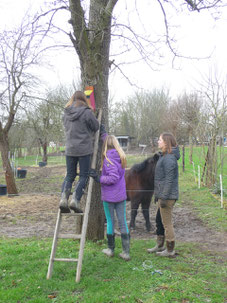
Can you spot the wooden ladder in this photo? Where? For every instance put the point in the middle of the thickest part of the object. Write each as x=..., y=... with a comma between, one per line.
x=82, y=236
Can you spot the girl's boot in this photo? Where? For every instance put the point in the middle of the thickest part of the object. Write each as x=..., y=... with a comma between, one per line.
x=125, y=240
x=63, y=204
x=169, y=251
x=75, y=204
x=111, y=245
x=159, y=246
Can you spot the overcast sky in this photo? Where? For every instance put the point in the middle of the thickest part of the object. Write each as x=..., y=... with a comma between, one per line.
x=198, y=35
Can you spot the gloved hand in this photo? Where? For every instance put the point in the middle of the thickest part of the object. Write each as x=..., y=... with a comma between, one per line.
x=155, y=200
x=102, y=129
x=93, y=173
x=163, y=203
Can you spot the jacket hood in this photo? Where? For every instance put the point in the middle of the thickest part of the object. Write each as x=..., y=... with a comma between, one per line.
x=176, y=152
x=73, y=113
x=112, y=154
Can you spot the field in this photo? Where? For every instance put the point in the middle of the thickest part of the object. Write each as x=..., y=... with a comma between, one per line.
x=198, y=273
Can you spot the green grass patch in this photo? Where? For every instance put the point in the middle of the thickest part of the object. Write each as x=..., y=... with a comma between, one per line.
x=199, y=155
x=206, y=205
x=193, y=276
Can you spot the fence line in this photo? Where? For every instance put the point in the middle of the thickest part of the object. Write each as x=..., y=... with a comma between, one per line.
x=199, y=182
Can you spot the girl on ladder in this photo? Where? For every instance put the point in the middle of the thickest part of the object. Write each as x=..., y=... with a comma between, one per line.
x=80, y=126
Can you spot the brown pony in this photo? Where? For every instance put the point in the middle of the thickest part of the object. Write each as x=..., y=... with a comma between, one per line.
x=140, y=188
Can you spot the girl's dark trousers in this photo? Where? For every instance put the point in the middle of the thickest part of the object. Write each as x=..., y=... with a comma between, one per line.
x=71, y=165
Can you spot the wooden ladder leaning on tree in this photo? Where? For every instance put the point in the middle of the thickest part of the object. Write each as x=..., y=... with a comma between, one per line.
x=82, y=236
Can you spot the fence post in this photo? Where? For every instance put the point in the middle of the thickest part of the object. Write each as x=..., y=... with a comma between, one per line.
x=193, y=164
x=221, y=187
x=183, y=157
x=198, y=176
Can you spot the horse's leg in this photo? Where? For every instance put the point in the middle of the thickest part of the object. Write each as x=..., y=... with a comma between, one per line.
x=134, y=208
x=145, y=208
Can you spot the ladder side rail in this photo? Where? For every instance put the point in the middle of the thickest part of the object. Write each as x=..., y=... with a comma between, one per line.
x=88, y=202
x=54, y=245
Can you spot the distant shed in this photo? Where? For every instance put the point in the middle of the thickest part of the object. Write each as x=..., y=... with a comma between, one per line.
x=125, y=141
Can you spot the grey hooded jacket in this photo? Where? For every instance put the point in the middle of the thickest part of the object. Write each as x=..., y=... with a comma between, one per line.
x=80, y=125
x=166, y=176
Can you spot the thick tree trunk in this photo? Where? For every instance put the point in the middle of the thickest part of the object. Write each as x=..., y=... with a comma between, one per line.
x=92, y=43
x=9, y=174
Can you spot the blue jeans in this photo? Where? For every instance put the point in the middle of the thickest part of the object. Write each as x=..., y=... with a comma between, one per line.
x=71, y=165
x=120, y=208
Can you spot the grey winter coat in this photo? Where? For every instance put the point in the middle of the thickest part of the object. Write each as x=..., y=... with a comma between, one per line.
x=166, y=176
x=80, y=125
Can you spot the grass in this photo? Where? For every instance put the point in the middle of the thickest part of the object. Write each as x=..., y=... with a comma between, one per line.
x=199, y=160
x=193, y=276
x=34, y=160
x=206, y=205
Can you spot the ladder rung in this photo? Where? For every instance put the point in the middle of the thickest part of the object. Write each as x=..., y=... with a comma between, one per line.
x=72, y=214
x=65, y=259
x=69, y=236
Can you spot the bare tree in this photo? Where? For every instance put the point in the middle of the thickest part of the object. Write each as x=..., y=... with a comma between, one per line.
x=189, y=107
x=215, y=109
x=20, y=51
x=142, y=115
x=46, y=118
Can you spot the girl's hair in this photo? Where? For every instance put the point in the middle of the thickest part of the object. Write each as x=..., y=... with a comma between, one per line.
x=111, y=142
x=77, y=96
x=169, y=141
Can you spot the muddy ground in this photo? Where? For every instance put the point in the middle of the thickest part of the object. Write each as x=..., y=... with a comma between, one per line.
x=33, y=214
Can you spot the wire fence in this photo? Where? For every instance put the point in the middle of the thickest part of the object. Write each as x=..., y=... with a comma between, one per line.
x=196, y=173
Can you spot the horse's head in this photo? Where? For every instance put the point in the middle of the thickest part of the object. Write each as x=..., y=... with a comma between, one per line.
x=150, y=167
x=146, y=169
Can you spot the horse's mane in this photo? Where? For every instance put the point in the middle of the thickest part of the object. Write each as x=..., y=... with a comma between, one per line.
x=140, y=166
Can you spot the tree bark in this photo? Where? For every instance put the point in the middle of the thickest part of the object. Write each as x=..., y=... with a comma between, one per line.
x=9, y=174
x=92, y=43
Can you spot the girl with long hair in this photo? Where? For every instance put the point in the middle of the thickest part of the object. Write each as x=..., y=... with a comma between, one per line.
x=80, y=125
x=113, y=193
x=166, y=194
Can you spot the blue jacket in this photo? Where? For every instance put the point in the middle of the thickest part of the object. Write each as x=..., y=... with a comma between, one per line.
x=166, y=176
x=113, y=188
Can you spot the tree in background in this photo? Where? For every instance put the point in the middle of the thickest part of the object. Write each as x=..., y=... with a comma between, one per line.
x=214, y=111
x=189, y=107
x=46, y=119
x=141, y=116
x=19, y=52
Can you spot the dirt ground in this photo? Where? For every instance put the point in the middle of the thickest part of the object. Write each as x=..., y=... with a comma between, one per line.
x=33, y=214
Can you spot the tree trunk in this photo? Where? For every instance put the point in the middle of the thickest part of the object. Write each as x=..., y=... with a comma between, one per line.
x=92, y=43
x=190, y=146
x=9, y=174
x=44, y=147
x=211, y=162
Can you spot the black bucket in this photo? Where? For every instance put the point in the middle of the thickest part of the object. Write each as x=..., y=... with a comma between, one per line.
x=42, y=164
x=3, y=190
x=21, y=173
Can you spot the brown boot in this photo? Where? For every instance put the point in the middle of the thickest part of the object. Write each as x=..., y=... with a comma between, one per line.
x=159, y=246
x=169, y=251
